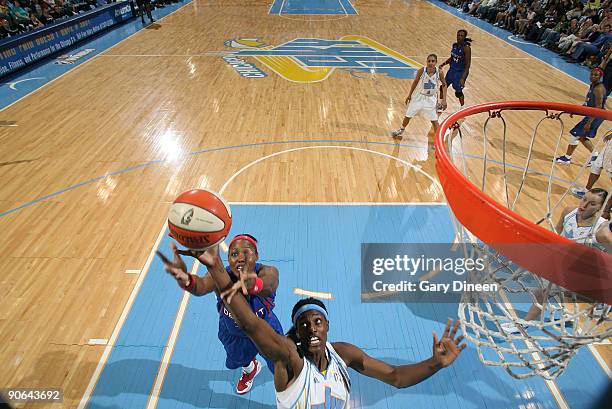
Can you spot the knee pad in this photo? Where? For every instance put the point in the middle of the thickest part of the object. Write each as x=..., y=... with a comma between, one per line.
x=573, y=140
x=458, y=94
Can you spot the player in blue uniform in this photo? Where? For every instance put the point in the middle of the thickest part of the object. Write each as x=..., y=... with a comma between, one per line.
x=256, y=281
x=586, y=129
x=460, y=62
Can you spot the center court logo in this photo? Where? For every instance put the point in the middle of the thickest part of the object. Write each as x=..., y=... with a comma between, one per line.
x=308, y=60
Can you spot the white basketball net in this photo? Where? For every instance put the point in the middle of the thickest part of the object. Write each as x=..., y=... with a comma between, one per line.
x=542, y=346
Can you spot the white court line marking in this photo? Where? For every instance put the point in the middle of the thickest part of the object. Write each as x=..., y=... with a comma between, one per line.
x=132, y=271
x=163, y=369
x=317, y=294
x=505, y=42
x=90, y=60
x=341, y=203
x=97, y=341
x=408, y=164
x=128, y=306
x=600, y=359
x=343, y=8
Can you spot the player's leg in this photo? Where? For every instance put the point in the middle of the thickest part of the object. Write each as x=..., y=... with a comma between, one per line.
x=413, y=109
x=241, y=353
x=576, y=134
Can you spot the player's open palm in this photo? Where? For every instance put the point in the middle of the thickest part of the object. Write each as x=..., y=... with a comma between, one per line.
x=447, y=349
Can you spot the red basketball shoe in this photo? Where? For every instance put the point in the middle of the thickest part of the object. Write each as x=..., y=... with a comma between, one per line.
x=245, y=383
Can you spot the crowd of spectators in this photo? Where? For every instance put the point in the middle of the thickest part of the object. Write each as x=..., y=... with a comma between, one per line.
x=18, y=16
x=578, y=30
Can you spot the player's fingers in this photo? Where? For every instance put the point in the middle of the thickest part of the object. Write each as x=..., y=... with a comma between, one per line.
x=447, y=328
x=435, y=339
x=459, y=339
x=454, y=331
x=163, y=258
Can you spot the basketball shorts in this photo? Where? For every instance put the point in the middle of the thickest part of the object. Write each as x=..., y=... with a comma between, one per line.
x=240, y=350
x=453, y=77
x=425, y=104
x=577, y=132
x=603, y=161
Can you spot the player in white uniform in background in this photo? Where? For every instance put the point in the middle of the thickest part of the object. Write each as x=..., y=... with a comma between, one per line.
x=426, y=98
x=310, y=372
x=582, y=225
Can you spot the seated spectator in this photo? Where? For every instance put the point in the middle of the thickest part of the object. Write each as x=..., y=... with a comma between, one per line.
x=552, y=35
x=45, y=15
x=592, y=4
x=474, y=6
x=576, y=12
x=20, y=16
x=35, y=22
x=584, y=49
x=607, y=18
x=4, y=9
x=524, y=23
x=584, y=31
x=502, y=16
x=5, y=29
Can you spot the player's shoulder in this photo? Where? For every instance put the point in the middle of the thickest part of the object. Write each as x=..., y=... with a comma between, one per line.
x=568, y=210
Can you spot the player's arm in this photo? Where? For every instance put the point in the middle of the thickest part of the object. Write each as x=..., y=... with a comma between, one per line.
x=414, y=84
x=203, y=285
x=448, y=60
x=189, y=282
x=269, y=276
x=468, y=62
x=559, y=226
x=443, y=89
x=401, y=376
x=604, y=236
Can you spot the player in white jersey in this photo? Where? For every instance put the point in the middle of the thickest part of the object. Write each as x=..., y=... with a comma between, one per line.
x=426, y=98
x=580, y=224
x=310, y=372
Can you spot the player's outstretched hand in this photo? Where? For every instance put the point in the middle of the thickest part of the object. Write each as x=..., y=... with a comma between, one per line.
x=240, y=285
x=447, y=349
x=177, y=267
x=209, y=257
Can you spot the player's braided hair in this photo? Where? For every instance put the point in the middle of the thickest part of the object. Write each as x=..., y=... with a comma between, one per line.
x=603, y=193
x=292, y=333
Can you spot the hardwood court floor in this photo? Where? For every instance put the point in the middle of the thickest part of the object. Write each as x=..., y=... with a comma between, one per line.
x=128, y=121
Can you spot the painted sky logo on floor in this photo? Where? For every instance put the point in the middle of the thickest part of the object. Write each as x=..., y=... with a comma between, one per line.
x=308, y=60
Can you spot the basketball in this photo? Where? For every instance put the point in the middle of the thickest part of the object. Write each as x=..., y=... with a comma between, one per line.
x=199, y=219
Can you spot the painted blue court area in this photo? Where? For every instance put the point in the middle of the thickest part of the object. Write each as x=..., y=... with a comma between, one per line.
x=312, y=7
x=317, y=248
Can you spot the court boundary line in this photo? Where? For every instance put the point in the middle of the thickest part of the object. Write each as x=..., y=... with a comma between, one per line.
x=600, y=360
x=171, y=344
x=189, y=2
x=95, y=377
x=501, y=39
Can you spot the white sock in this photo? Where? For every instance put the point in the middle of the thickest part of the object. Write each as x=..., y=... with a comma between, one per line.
x=248, y=369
